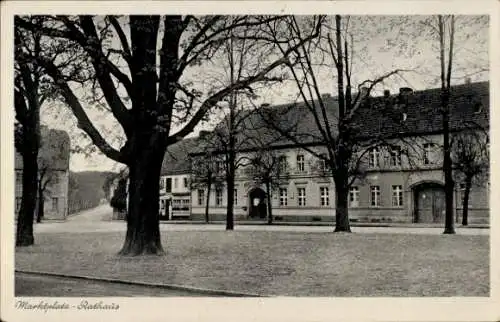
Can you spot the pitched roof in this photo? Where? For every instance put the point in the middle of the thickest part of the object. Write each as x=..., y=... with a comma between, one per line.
x=253, y=129
x=176, y=157
x=381, y=116
x=377, y=116
x=54, y=150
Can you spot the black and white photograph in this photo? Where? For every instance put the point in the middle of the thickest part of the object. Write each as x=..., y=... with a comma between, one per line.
x=246, y=153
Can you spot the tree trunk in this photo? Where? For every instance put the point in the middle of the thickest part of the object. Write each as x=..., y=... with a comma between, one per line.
x=341, y=211
x=41, y=204
x=230, y=203
x=207, y=203
x=230, y=185
x=465, y=204
x=24, y=233
x=447, y=167
x=269, y=205
x=143, y=224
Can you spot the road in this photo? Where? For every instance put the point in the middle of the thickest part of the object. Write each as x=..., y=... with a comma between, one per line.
x=99, y=220
x=49, y=286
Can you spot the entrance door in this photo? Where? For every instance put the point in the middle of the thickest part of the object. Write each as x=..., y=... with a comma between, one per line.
x=257, y=203
x=164, y=209
x=430, y=203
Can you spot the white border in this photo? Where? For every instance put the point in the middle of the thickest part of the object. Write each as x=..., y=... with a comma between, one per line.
x=273, y=309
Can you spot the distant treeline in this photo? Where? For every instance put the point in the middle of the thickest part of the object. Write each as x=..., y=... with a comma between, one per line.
x=86, y=189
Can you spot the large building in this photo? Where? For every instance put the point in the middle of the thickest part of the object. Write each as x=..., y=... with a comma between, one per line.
x=403, y=183
x=53, y=163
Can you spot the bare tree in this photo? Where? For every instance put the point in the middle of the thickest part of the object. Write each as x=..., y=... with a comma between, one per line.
x=141, y=84
x=28, y=99
x=446, y=27
x=239, y=56
x=32, y=88
x=53, y=157
x=206, y=173
x=470, y=157
x=334, y=126
x=452, y=47
x=269, y=168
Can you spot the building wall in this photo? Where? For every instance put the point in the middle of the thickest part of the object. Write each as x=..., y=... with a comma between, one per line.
x=411, y=173
x=56, y=195
x=175, y=198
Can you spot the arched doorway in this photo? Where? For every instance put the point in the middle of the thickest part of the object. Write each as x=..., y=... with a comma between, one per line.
x=257, y=203
x=429, y=203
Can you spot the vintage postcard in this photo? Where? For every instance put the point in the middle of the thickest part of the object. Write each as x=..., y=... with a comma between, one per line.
x=255, y=160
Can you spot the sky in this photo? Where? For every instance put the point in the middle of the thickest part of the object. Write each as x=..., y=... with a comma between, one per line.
x=380, y=44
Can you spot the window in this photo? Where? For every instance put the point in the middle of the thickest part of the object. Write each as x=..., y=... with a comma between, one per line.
x=301, y=196
x=322, y=162
x=375, y=196
x=324, y=196
x=169, y=185
x=218, y=197
x=175, y=183
x=185, y=204
x=201, y=197
x=283, y=164
x=18, y=203
x=427, y=153
x=397, y=196
x=395, y=156
x=235, y=197
x=373, y=155
x=185, y=182
x=283, y=197
x=55, y=204
x=354, y=197
x=219, y=166
x=162, y=183
x=176, y=204
x=462, y=192
x=300, y=163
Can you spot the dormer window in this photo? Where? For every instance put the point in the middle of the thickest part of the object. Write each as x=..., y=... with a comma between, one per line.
x=428, y=147
x=373, y=156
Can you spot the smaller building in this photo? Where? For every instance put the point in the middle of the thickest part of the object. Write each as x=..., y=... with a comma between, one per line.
x=175, y=191
x=53, y=164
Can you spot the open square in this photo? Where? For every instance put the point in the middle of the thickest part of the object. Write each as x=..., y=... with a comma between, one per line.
x=279, y=263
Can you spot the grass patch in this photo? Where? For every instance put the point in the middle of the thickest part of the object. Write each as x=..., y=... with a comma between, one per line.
x=280, y=263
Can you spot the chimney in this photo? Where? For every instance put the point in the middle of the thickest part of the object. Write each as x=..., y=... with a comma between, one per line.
x=387, y=93
x=405, y=91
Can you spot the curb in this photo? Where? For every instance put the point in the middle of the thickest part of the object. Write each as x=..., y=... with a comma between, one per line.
x=146, y=284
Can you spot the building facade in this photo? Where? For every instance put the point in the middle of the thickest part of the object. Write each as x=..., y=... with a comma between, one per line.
x=403, y=183
x=175, y=187
x=54, y=164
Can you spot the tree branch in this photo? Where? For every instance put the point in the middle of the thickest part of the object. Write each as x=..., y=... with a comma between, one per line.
x=83, y=121
x=127, y=53
x=212, y=100
x=373, y=83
